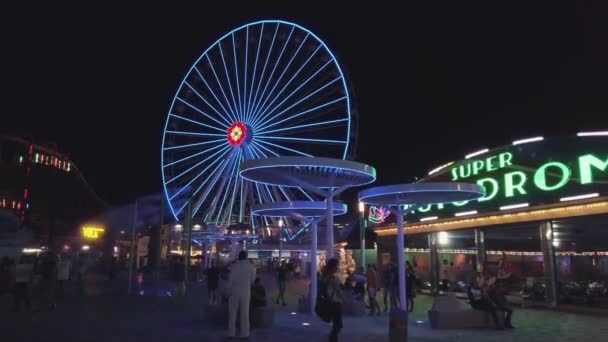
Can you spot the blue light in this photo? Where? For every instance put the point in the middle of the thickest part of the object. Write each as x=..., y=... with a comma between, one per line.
x=284, y=148
x=236, y=71
x=198, y=110
x=258, y=103
x=288, y=83
x=208, y=104
x=217, y=79
x=214, y=96
x=234, y=168
x=225, y=149
x=254, y=106
x=258, y=106
x=276, y=83
x=255, y=67
x=302, y=99
x=195, y=155
x=197, y=122
x=210, y=187
x=200, y=186
x=228, y=78
x=192, y=145
x=301, y=139
x=328, y=122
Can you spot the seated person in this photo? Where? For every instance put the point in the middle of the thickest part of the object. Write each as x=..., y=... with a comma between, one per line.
x=258, y=295
x=496, y=293
x=480, y=301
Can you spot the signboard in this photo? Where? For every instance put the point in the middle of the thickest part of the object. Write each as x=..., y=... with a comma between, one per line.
x=92, y=232
x=534, y=173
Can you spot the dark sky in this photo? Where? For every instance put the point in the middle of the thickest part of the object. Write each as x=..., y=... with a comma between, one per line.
x=431, y=83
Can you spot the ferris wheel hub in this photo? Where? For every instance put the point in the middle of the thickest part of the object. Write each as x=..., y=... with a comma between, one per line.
x=239, y=133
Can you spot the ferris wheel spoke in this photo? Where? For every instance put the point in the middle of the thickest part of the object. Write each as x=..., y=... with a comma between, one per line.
x=195, y=133
x=276, y=63
x=228, y=177
x=255, y=67
x=244, y=109
x=263, y=107
x=208, y=104
x=236, y=71
x=212, y=183
x=261, y=115
x=241, y=203
x=224, y=150
x=196, y=122
x=285, y=148
x=192, y=145
x=228, y=78
x=194, y=155
x=293, y=116
x=236, y=184
x=315, y=124
x=303, y=140
x=217, y=79
x=299, y=101
x=257, y=89
x=198, y=110
x=217, y=161
x=227, y=112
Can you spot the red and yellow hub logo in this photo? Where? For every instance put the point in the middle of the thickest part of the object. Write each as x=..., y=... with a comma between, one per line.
x=237, y=133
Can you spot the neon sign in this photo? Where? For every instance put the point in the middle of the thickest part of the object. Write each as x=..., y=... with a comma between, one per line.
x=377, y=214
x=92, y=232
x=540, y=173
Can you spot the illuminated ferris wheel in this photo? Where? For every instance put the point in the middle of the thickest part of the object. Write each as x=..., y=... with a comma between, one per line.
x=269, y=88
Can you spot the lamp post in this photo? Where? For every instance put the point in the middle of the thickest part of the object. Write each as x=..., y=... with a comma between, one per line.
x=281, y=223
x=362, y=234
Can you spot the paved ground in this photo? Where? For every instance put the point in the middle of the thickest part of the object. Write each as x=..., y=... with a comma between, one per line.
x=102, y=313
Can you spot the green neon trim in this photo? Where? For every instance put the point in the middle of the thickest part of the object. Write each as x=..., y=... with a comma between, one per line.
x=505, y=159
x=510, y=184
x=489, y=195
x=425, y=209
x=586, y=162
x=540, y=176
x=489, y=165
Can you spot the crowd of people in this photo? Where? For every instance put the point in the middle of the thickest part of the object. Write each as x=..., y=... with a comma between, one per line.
x=42, y=276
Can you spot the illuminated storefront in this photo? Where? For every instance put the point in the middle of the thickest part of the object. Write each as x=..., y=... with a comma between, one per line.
x=545, y=215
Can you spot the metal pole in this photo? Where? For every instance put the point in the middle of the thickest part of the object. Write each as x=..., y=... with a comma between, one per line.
x=280, y=240
x=400, y=261
x=362, y=234
x=313, y=267
x=159, y=246
x=132, y=251
x=329, y=219
x=188, y=234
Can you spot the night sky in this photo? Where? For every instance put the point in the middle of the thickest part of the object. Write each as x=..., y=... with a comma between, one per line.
x=431, y=84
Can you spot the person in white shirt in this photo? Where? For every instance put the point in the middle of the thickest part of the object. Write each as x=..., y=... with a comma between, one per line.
x=242, y=276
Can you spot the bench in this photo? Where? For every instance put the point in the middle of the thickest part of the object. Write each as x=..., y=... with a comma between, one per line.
x=448, y=312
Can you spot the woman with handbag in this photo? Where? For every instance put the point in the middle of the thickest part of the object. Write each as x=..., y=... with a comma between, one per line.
x=333, y=288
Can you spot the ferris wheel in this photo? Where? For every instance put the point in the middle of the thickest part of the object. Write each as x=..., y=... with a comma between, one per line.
x=268, y=88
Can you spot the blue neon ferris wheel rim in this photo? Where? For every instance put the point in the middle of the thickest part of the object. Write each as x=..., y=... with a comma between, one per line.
x=225, y=99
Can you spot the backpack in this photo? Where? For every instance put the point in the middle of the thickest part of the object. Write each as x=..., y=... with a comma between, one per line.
x=323, y=304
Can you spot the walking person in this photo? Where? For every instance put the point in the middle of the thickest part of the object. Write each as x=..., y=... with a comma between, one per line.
x=242, y=276
x=213, y=280
x=63, y=274
x=6, y=276
x=372, y=287
x=394, y=286
x=282, y=282
x=411, y=286
x=333, y=287
x=387, y=283
x=48, y=280
x=23, y=278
